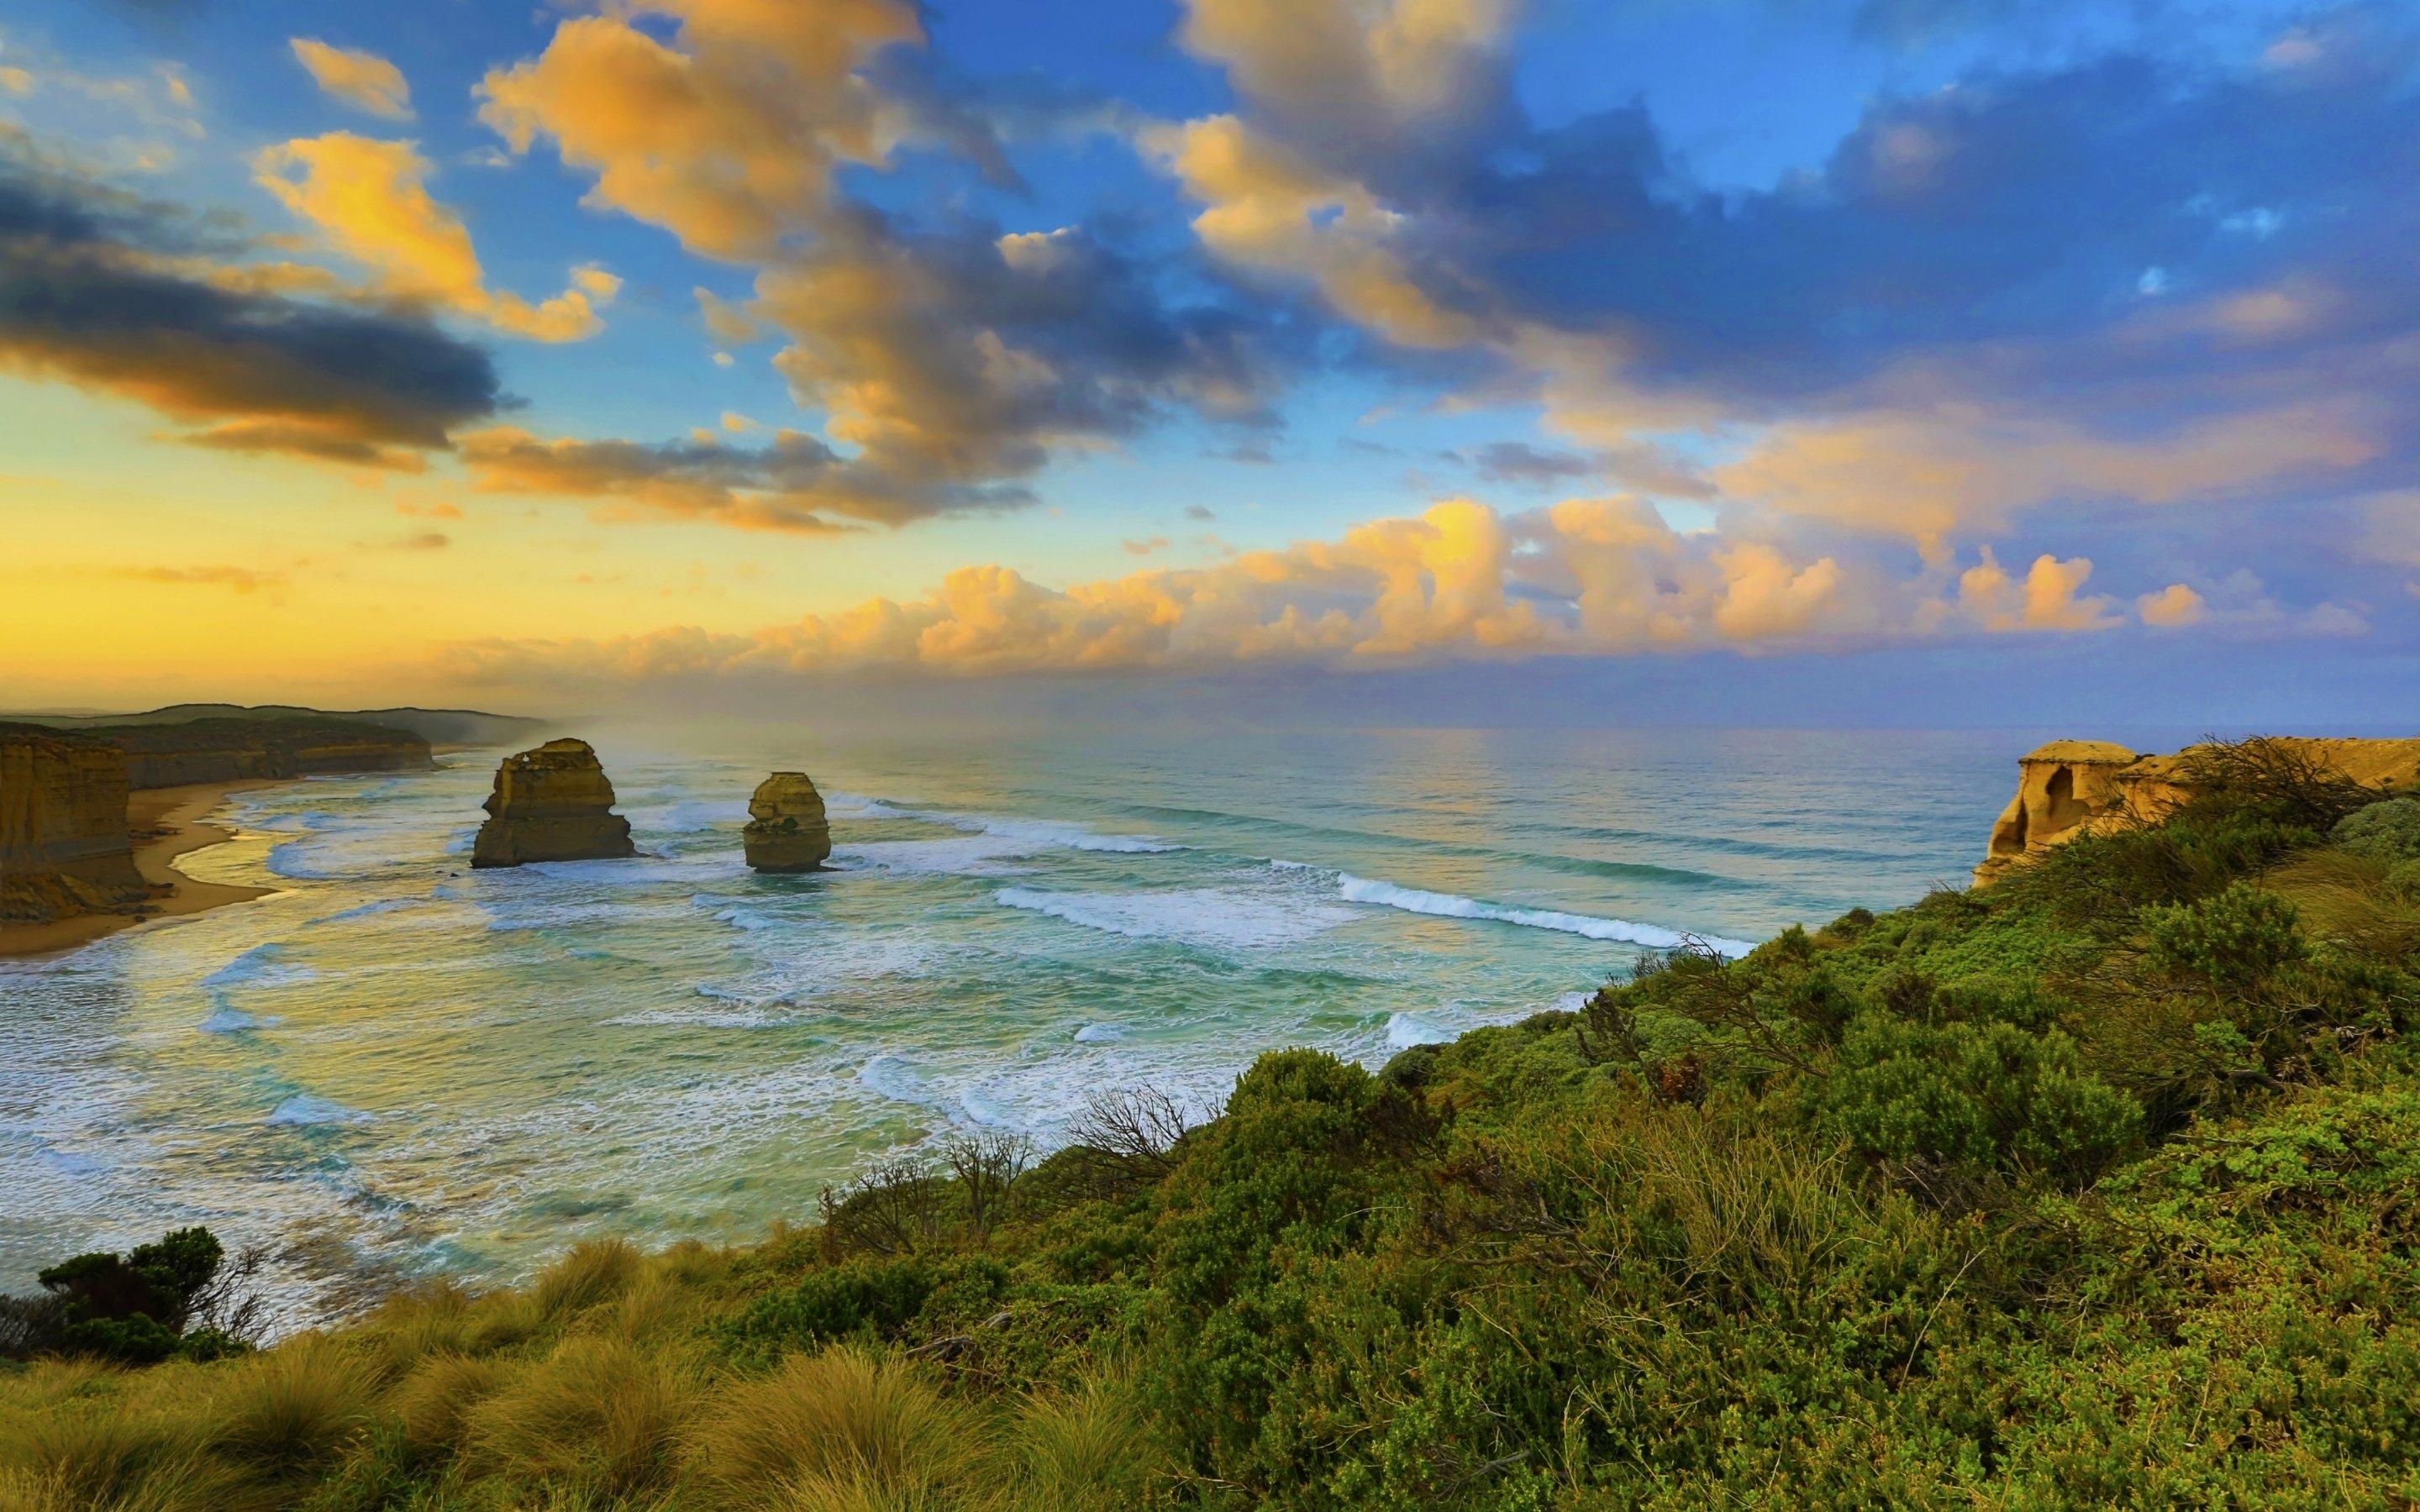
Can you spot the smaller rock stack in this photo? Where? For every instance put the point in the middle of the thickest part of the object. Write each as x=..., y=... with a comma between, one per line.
x=786, y=828
x=551, y=804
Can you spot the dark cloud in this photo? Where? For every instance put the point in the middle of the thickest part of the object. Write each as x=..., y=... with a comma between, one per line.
x=795, y=483
x=1517, y=462
x=99, y=289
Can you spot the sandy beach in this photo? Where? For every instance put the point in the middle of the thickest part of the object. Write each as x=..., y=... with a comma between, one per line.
x=168, y=823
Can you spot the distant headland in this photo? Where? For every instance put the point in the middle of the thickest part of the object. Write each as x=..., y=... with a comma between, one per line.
x=94, y=808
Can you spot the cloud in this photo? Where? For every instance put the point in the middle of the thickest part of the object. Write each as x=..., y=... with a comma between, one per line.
x=1930, y=334
x=368, y=199
x=98, y=288
x=363, y=80
x=2176, y=605
x=792, y=484
x=238, y=580
x=1460, y=581
x=949, y=358
x=728, y=135
x=2045, y=599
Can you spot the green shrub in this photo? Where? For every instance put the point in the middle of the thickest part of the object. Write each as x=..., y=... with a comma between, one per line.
x=1973, y=1100
x=2233, y=941
x=858, y=1299
x=2388, y=831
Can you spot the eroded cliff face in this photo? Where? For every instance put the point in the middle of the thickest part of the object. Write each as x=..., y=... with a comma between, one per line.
x=64, y=848
x=786, y=828
x=237, y=750
x=553, y=803
x=2075, y=787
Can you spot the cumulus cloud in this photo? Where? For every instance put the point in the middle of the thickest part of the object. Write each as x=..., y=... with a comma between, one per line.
x=2178, y=604
x=1461, y=581
x=101, y=289
x=370, y=201
x=1932, y=333
x=949, y=359
x=363, y=80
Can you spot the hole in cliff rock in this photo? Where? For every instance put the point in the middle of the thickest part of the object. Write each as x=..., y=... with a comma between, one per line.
x=2066, y=810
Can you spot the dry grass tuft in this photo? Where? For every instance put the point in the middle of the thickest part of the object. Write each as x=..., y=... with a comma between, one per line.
x=848, y=1423
x=297, y=1404
x=593, y=1272
x=435, y=1401
x=1084, y=1451
x=95, y=1454
x=599, y=1412
x=2345, y=901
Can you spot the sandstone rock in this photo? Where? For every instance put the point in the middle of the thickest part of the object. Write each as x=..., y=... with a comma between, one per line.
x=64, y=847
x=786, y=828
x=2077, y=787
x=2058, y=787
x=551, y=804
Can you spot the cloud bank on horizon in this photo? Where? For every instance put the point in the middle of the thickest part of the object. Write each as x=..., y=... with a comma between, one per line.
x=2056, y=320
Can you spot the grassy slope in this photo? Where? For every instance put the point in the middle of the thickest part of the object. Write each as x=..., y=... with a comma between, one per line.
x=2100, y=1188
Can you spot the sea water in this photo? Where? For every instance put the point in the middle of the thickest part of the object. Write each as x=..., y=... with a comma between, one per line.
x=398, y=1065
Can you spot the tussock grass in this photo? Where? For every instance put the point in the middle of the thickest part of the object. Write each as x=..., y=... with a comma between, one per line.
x=291, y=1407
x=434, y=1403
x=1084, y=1450
x=592, y=1272
x=2346, y=900
x=599, y=1412
x=848, y=1423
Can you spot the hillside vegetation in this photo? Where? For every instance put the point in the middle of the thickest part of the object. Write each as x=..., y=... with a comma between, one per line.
x=2097, y=1188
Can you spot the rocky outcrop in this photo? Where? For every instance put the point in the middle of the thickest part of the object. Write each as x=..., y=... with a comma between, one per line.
x=786, y=828
x=241, y=749
x=2076, y=787
x=64, y=848
x=551, y=804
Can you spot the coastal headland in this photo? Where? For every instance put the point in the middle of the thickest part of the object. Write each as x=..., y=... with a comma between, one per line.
x=165, y=824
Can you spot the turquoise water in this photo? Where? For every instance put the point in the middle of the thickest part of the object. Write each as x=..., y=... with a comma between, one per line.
x=398, y=1066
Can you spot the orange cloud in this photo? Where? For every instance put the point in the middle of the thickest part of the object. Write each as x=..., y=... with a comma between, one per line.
x=1459, y=581
x=363, y=80
x=726, y=137
x=368, y=199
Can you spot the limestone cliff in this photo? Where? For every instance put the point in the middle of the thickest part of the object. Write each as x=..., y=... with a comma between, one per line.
x=2075, y=787
x=64, y=848
x=235, y=751
x=551, y=804
x=786, y=828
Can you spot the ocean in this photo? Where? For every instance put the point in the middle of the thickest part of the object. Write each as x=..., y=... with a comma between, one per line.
x=399, y=1067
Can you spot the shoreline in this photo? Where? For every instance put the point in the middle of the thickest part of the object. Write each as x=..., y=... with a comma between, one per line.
x=168, y=823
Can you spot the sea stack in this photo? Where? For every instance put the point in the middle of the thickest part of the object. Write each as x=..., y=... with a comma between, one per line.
x=64, y=847
x=551, y=804
x=786, y=828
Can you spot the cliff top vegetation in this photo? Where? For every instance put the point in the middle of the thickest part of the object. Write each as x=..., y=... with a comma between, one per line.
x=2097, y=1188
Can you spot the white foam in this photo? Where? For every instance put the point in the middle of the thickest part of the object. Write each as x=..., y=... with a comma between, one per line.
x=1404, y=1030
x=1451, y=906
x=259, y=966
x=305, y=1111
x=1100, y=1034
x=1215, y=918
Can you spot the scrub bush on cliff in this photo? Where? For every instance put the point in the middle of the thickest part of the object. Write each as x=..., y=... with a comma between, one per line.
x=176, y=1295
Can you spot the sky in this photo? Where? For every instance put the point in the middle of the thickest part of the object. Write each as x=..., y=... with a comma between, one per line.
x=1864, y=361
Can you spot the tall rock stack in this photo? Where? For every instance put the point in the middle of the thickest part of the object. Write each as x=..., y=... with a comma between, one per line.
x=64, y=848
x=786, y=828
x=551, y=804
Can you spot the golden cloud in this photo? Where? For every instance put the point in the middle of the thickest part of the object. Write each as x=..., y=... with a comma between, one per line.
x=363, y=80
x=369, y=200
x=1458, y=581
